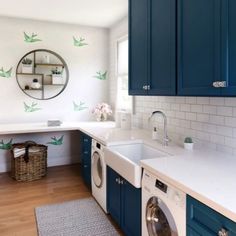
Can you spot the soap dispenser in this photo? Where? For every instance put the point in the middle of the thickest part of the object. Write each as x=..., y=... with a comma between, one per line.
x=154, y=133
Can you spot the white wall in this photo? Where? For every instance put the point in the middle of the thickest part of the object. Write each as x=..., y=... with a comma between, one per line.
x=210, y=121
x=83, y=63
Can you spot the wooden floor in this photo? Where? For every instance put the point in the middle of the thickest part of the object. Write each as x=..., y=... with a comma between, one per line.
x=18, y=200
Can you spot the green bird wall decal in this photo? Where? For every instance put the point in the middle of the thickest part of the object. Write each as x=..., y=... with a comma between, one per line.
x=79, y=42
x=56, y=141
x=6, y=146
x=101, y=76
x=31, y=108
x=6, y=74
x=79, y=107
x=31, y=39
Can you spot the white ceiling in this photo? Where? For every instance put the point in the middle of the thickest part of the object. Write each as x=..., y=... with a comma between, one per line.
x=101, y=13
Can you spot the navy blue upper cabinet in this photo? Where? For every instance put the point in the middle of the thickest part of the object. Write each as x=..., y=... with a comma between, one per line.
x=162, y=47
x=138, y=46
x=229, y=47
x=199, y=43
x=152, y=47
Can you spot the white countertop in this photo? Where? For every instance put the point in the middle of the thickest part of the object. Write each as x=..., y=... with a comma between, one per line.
x=42, y=127
x=208, y=176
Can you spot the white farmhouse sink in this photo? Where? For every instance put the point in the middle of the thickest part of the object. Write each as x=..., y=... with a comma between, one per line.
x=125, y=158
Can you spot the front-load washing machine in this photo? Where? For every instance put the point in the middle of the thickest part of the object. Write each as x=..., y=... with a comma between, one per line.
x=98, y=173
x=163, y=208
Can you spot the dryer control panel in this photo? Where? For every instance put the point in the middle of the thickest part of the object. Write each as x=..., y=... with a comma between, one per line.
x=164, y=190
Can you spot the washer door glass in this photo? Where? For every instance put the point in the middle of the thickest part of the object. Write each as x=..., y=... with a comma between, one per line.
x=97, y=170
x=159, y=220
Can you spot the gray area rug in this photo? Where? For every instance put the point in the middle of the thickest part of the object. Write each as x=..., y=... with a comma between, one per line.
x=74, y=218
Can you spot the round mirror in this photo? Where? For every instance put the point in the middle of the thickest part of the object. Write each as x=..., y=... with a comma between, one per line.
x=42, y=74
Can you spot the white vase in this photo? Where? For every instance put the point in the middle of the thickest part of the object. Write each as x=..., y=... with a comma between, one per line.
x=27, y=69
x=101, y=117
x=188, y=146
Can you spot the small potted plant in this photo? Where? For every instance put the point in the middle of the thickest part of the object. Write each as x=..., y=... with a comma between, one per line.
x=188, y=143
x=57, y=77
x=27, y=66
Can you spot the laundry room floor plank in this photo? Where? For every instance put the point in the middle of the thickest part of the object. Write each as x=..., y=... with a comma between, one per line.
x=18, y=200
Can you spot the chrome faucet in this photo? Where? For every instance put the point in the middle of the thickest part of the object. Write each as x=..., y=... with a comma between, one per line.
x=165, y=138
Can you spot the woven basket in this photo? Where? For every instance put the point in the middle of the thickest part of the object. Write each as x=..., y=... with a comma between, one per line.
x=30, y=166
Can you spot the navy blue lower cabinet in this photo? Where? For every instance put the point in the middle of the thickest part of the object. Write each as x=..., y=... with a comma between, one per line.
x=131, y=205
x=124, y=203
x=86, y=143
x=114, y=195
x=191, y=232
x=204, y=221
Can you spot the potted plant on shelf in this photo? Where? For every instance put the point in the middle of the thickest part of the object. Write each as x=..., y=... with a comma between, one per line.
x=57, y=77
x=188, y=143
x=27, y=66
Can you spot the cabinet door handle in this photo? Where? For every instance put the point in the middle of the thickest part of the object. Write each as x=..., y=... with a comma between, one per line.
x=85, y=166
x=122, y=181
x=148, y=87
x=145, y=87
x=118, y=180
x=223, y=232
x=220, y=84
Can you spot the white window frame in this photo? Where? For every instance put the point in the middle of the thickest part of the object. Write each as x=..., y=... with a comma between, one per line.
x=121, y=39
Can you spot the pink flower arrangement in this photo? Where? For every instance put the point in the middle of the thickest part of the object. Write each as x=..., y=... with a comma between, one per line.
x=102, y=110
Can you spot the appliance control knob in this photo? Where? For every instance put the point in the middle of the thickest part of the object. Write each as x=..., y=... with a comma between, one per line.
x=177, y=198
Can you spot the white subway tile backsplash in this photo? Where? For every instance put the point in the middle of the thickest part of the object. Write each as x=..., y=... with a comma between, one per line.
x=209, y=128
x=203, y=100
x=191, y=116
x=224, y=130
x=180, y=115
x=185, y=107
x=230, y=142
x=175, y=107
x=196, y=108
x=230, y=102
x=218, y=139
x=203, y=117
x=196, y=125
x=211, y=122
x=217, y=101
x=225, y=111
x=218, y=120
x=230, y=121
x=209, y=109
x=191, y=100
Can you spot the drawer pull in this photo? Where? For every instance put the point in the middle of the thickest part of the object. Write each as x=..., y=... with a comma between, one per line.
x=118, y=180
x=220, y=84
x=223, y=232
x=145, y=87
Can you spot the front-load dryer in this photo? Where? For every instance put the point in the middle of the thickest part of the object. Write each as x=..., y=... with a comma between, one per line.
x=98, y=172
x=163, y=208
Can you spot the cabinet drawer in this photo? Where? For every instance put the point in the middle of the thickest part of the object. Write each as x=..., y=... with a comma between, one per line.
x=207, y=221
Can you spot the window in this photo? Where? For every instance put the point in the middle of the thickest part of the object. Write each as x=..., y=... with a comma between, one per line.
x=124, y=101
